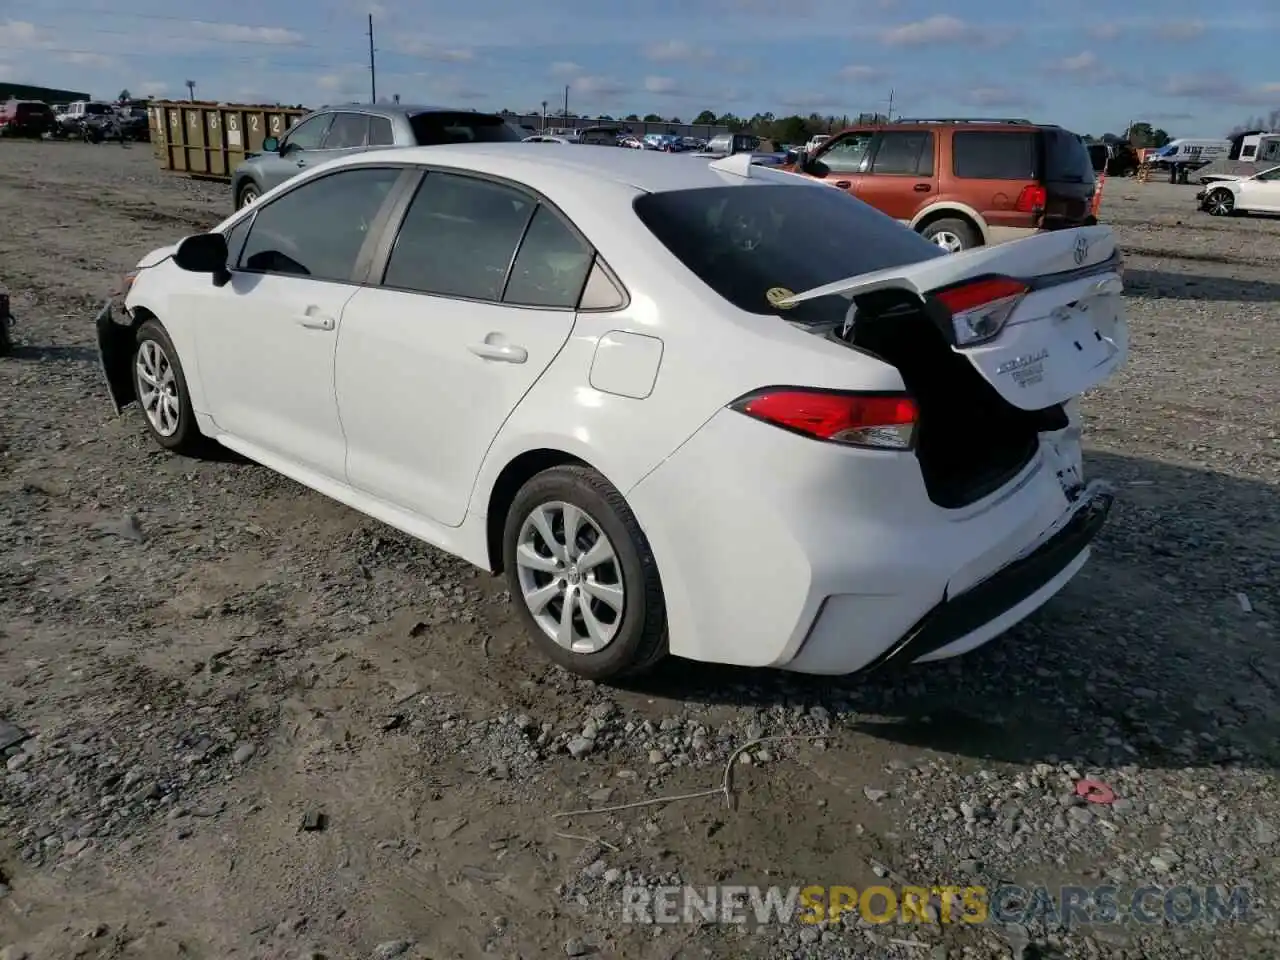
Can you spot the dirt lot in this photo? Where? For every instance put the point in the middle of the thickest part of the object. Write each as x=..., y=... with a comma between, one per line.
x=200, y=656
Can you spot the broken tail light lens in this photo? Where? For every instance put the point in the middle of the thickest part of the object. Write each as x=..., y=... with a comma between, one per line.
x=885, y=421
x=980, y=308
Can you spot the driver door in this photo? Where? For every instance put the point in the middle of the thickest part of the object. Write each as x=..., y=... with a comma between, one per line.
x=266, y=340
x=295, y=151
x=844, y=160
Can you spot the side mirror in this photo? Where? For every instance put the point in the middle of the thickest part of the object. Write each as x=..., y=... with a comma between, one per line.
x=271, y=145
x=202, y=253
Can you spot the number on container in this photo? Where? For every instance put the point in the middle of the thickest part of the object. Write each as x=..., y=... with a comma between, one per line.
x=253, y=122
x=213, y=121
x=232, y=123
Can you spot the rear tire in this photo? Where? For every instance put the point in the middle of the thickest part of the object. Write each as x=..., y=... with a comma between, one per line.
x=952, y=235
x=616, y=623
x=161, y=389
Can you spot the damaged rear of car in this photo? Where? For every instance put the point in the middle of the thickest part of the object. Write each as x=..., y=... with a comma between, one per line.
x=946, y=510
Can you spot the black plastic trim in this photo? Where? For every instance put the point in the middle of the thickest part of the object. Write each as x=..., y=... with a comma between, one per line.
x=958, y=616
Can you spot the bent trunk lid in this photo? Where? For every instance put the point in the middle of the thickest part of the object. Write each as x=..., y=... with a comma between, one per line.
x=1066, y=335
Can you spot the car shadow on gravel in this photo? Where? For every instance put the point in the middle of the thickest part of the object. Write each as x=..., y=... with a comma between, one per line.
x=1166, y=285
x=74, y=354
x=1158, y=654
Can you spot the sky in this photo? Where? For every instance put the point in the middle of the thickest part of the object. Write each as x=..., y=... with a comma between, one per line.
x=1090, y=65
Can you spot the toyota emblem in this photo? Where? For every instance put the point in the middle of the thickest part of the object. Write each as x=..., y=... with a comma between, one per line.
x=1081, y=251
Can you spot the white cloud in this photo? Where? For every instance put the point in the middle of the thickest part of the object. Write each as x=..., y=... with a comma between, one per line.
x=1080, y=63
x=938, y=29
x=861, y=73
x=1179, y=31
x=19, y=33
x=661, y=85
x=996, y=96
x=96, y=61
x=418, y=47
x=237, y=33
x=673, y=51
x=593, y=86
x=565, y=68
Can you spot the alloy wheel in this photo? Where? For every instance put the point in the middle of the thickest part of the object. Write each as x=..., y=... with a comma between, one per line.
x=570, y=577
x=157, y=388
x=1221, y=203
x=948, y=241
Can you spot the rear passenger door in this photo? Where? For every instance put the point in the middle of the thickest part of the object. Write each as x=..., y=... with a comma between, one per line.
x=900, y=175
x=469, y=301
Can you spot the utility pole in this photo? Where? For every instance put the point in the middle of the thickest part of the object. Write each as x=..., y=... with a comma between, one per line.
x=566, y=104
x=373, y=70
x=191, y=90
x=544, y=116
x=890, y=116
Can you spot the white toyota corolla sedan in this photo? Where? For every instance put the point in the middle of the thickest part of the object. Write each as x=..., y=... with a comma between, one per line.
x=706, y=409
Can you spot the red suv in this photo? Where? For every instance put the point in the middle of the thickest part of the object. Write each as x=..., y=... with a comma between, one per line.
x=25, y=118
x=963, y=183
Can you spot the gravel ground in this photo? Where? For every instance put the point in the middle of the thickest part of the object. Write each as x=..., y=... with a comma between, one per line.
x=244, y=721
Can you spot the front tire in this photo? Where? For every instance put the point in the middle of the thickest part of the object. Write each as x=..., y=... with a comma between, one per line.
x=951, y=235
x=161, y=389
x=247, y=194
x=583, y=576
x=1220, y=203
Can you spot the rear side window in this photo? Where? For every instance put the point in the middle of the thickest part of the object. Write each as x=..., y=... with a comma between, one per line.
x=458, y=238
x=908, y=152
x=986, y=155
x=743, y=241
x=348, y=130
x=552, y=266
x=433, y=129
x=380, y=134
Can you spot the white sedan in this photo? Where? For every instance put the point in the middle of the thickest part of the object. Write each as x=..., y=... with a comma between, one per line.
x=1257, y=194
x=706, y=409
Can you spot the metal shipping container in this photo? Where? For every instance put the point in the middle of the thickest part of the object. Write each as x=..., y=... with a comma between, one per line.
x=204, y=139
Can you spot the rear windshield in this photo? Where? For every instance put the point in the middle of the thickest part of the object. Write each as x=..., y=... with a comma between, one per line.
x=434, y=129
x=27, y=109
x=742, y=241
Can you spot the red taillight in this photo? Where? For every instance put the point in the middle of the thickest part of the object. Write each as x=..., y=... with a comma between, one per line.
x=1032, y=199
x=884, y=420
x=980, y=308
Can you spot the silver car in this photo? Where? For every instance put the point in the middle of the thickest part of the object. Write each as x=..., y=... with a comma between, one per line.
x=339, y=131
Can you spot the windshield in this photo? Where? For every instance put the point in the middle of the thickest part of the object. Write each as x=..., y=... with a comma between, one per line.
x=97, y=109
x=743, y=241
x=433, y=129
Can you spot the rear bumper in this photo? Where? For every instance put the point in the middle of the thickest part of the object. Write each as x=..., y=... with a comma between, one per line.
x=969, y=616
x=776, y=550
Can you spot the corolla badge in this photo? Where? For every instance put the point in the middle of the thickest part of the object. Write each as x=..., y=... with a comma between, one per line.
x=1081, y=251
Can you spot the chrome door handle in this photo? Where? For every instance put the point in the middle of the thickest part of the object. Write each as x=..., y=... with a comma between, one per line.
x=504, y=352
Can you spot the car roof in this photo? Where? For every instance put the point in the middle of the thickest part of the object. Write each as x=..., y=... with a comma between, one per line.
x=549, y=170
x=397, y=109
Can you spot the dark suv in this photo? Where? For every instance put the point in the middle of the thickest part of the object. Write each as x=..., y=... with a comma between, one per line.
x=25, y=118
x=963, y=183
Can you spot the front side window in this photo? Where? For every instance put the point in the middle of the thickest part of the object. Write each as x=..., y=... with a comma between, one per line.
x=317, y=229
x=846, y=154
x=309, y=133
x=458, y=237
x=1270, y=176
x=348, y=131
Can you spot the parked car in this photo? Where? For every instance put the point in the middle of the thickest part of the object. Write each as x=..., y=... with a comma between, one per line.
x=25, y=118
x=1257, y=194
x=341, y=131
x=134, y=123
x=541, y=138
x=83, y=119
x=963, y=183
x=518, y=357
